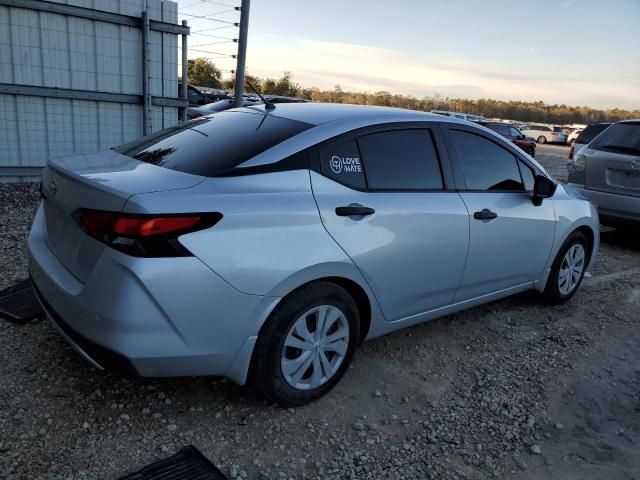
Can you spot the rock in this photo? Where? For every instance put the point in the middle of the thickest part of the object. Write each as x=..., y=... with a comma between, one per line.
x=559, y=426
x=233, y=471
x=172, y=427
x=377, y=393
x=520, y=463
x=359, y=426
x=535, y=449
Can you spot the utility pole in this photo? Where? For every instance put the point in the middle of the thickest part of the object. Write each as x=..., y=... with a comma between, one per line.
x=242, y=53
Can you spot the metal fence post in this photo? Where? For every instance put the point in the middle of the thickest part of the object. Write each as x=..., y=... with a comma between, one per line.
x=183, y=94
x=242, y=53
x=146, y=94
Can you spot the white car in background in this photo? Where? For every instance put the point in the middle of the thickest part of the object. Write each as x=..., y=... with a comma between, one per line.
x=543, y=134
x=573, y=135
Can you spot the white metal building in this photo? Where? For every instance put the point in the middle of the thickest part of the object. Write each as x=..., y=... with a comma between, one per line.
x=72, y=77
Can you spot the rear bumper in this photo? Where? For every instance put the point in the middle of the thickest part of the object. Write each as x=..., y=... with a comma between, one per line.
x=157, y=317
x=612, y=207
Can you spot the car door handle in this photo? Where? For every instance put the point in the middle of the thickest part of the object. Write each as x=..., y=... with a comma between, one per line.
x=485, y=214
x=354, y=210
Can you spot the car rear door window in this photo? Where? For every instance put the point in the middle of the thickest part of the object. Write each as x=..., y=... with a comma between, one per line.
x=486, y=165
x=401, y=160
x=213, y=145
x=514, y=132
x=342, y=163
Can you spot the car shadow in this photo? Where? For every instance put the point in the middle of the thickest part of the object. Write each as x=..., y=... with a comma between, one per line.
x=628, y=239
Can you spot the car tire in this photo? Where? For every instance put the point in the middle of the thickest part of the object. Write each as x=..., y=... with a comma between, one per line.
x=542, y=139
x=557, y=289
x=277, y=363
x=531, y=152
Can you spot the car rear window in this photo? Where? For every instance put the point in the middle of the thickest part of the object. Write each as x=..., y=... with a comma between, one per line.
x=213, y=145
x=620, y=137
x=591, y=132
x=401, y=160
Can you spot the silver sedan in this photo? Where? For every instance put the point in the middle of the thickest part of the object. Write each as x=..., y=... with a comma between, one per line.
x=265, y=245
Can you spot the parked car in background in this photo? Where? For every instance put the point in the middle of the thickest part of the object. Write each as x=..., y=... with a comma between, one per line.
x=607, y=173
x=573, y=135
x=266, y=245
x=222, y=105
x=219, y=106
x=195, y=96
x=214, y=94
x=461, y=116
x=513, y=135
x=283, y=99
x=543, y=134
x=586, y=135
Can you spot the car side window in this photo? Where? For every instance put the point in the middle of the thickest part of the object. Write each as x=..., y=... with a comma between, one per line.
x=486, y=166
x=401, y=160
x=528, y=177
x=514, y=132
x=341, y=162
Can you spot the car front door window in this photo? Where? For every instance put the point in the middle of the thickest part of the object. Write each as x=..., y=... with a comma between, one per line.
x=486, y=166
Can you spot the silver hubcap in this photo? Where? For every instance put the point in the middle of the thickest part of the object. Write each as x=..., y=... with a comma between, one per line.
x=571, y=269
x=315, y=347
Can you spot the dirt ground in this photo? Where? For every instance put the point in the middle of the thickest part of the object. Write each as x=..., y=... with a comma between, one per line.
x=512, y=390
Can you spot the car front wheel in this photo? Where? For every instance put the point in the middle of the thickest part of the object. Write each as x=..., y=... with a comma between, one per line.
x=542, y=139
x=568, y=269
x=306, y=345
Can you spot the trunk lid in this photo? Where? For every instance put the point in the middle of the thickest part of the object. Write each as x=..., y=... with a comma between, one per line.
x=99, y=181
x=612, y=172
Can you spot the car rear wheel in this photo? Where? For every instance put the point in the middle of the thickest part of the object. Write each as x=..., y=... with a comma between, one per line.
x=542, y=139
x=306, y=345
x=568, y=269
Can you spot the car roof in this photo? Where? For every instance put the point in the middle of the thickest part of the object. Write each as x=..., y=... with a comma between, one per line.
x=319, y=113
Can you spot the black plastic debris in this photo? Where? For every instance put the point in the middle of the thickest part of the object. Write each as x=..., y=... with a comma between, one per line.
x=19, y=303
x=187, y=464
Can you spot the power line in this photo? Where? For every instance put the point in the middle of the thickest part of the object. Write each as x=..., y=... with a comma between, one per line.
x=223, y=4
x=215, y=43
x=206, y=17
x=215, y=36
x=207, y=14
x=216, y=28
x=230, y=55
x=200, y=2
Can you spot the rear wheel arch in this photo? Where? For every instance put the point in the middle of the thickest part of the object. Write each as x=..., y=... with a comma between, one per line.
x=354, y=289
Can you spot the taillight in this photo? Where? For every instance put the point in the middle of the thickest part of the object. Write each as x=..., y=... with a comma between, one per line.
x=571, y=153
x=144, y=235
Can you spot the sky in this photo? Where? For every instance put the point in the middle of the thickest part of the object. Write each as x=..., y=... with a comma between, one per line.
x=573, y=52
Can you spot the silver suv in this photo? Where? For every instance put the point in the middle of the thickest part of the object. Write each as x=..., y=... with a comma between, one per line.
x=607, y=172
x=267, y=244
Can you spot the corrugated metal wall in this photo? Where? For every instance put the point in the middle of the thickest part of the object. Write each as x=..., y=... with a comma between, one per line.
x=55, y=50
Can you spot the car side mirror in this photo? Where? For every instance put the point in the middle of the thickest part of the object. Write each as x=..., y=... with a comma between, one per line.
x=543, y=187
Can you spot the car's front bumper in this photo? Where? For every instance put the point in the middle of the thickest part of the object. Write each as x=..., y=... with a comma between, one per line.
x=612, y=207
x=156, y=316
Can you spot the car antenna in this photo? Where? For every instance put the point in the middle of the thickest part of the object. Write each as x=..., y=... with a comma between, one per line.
x=267, y=105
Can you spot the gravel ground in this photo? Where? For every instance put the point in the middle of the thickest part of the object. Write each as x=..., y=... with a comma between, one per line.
x=512, y=389
x=554, y=158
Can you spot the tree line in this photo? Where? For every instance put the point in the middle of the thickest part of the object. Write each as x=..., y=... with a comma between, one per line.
x=202, y=72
